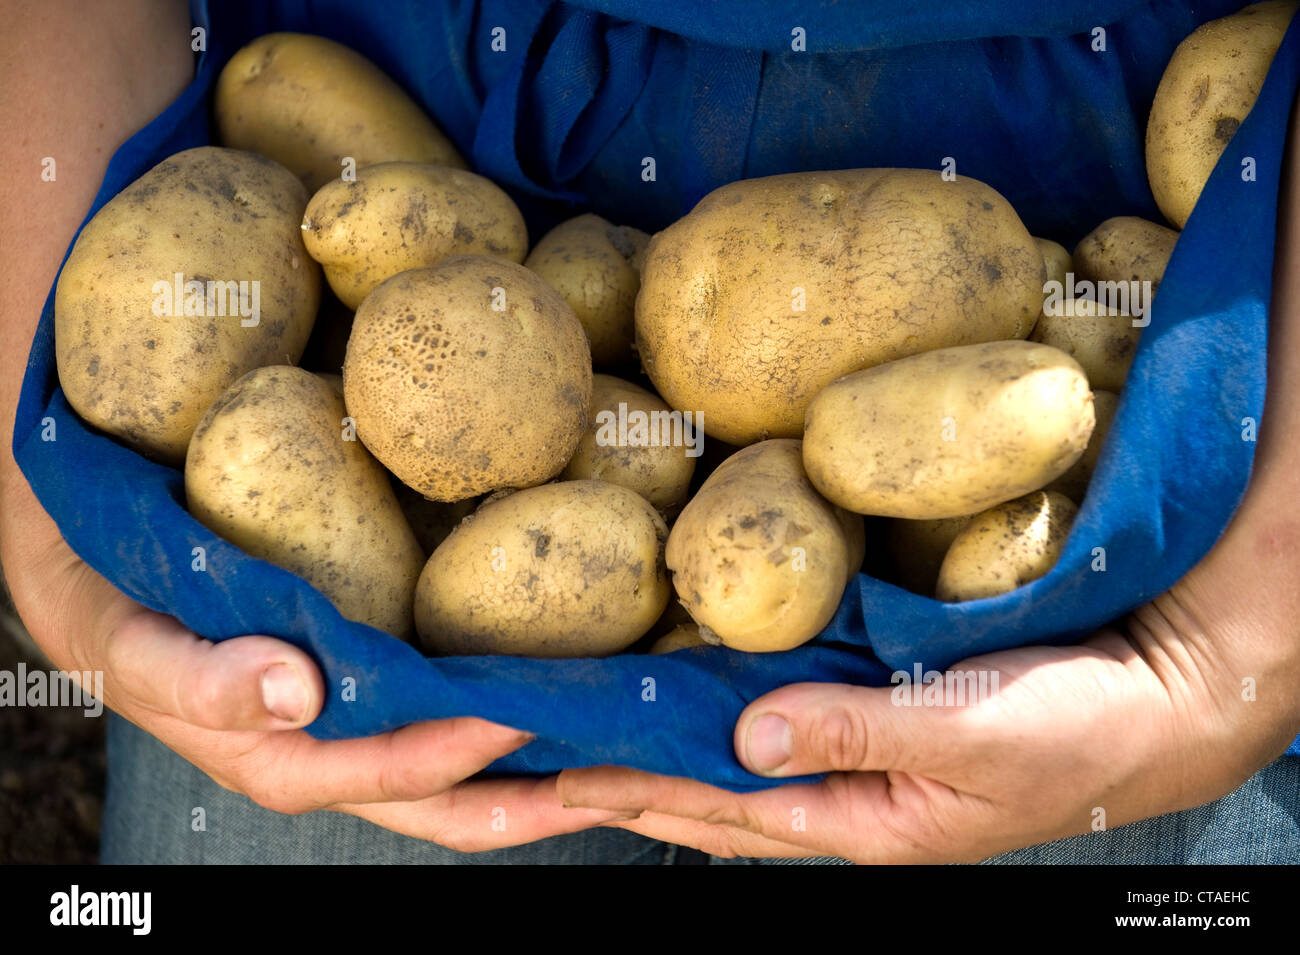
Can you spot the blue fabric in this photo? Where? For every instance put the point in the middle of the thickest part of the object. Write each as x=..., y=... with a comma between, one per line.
x=1012, y=91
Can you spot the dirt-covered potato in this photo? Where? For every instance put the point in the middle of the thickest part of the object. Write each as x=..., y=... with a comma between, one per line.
x=399, y=215
x=571, y=569
x=758, y=558
x=191, y=276
x=1074, y=482
x=1006, y=547
x=1125, y=249
x=596, y=266
x=274, y=470
x=636, y=440
x=1210, y=84
x=950, y=432
x=679, y=638
x=468, y=377
x=1102, y=340
x=772, y=288
x=917, y=549
x=310, y=103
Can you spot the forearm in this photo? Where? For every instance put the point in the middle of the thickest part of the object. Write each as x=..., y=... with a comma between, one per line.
x=79, y=79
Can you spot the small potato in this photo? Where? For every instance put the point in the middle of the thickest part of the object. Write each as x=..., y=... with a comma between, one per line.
x=1207, y=89
x=271, y=471
x=596, y=266
x=1124, y=249
x=1055, y=259
x=772, y=288
x=399, y=215
x=630, y=440
x=1102, y=340
x=458, y=398
x=918, y=548
x=189, y=277
x=310, y=103
x=949, y=432
x=758, y=558
x=572, y=569
x=1006, y=547
x=679, y=638
x=1074, y=482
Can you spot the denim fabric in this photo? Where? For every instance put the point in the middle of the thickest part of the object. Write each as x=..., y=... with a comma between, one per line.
x=152, y=794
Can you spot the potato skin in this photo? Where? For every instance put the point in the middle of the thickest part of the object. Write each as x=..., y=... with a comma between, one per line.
x=716, y=319
x=458, y=399
x=212, y=215
x=1102, y=340
x=1055, y=259
x=596, y=266
x=571, y=569
x=661, y=474
x=307, y=102
x=950, y=432
x=1074, y=482
x=1210, y=84
x=731, y=552
x=679, y=638
x=1006, y=547
x=270, y=470
x=1125, y=249
x=397, y=216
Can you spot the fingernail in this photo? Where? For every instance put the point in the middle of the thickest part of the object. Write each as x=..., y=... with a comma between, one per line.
x=770, y=742
x=284, y=693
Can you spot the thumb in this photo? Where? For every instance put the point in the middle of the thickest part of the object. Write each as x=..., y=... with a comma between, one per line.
x=809, y=728
x=245, y=683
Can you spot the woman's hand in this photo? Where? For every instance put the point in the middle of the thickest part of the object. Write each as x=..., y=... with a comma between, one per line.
x=1179, y=705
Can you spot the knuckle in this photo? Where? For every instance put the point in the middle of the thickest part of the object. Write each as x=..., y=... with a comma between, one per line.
x=843, y=738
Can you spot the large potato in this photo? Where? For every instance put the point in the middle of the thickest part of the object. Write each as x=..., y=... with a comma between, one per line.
x=308, y=102
x=758, y=558
x=1006, y=547
x=596, y=266
x=400, y=215
x=1074, y=482
x=636, y=440
x=1125, y=249
x=1102, y=340
x=468, y=377
x=772, y=288
x=1207, y=89
x=950, y=432
x=191, y=276
x=273, y=469
x=572, y=569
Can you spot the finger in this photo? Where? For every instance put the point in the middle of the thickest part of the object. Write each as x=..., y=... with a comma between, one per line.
x=482, y=815
x=246, y=683
x=726, y=842
x=810, y=728
x=295, y=773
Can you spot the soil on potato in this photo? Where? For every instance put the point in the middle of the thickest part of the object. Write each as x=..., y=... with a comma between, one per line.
x=51, y=769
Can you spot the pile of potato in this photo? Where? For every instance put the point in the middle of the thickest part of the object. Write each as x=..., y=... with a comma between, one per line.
x=888, y=343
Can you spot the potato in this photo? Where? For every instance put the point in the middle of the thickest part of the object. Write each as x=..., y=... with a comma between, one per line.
x=1074, y=482
x=918, y=548
x=398, y=216
x=309, y=103
x=758, y=558
x=572, y=569
x=272, y=469
x=1124, y=249
x=596, y=266
x=950, y=432
x=1207, y=89
x=772, y=288
x=1006, y=547
x=636, y=440
x=191, y=276
x=679, y=638
x=1055, y=259
x=468, y=377
x=1102, y=340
